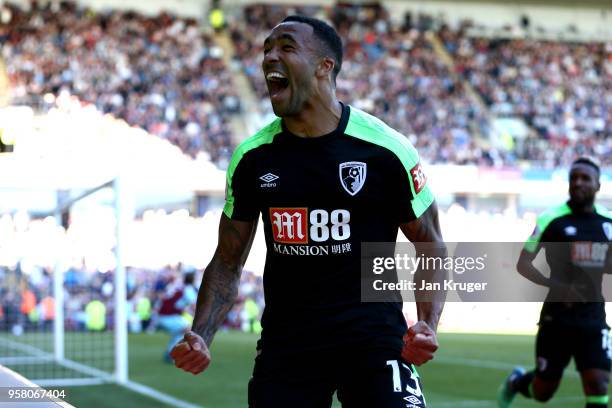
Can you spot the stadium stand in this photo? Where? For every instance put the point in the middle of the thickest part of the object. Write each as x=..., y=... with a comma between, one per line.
x=160, y=73
x=561, y=90
x=173, y=81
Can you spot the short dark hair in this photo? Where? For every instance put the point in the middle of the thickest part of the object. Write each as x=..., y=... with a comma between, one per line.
x=327, y=35
x=588, y=162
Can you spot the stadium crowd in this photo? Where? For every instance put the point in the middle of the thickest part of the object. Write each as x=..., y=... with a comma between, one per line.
x=160, y=73
x=166, y=75
x=561, y=90
x=27, y=302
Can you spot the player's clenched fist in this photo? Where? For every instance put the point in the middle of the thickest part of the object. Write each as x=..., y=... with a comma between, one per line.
x=191, y=354
x=420, y=344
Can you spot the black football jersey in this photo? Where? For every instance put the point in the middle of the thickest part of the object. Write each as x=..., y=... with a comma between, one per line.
x=577, y=250
x=319, y=199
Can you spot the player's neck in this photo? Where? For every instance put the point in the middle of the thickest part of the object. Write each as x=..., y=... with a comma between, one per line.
x=582, y=208
x=317, y=119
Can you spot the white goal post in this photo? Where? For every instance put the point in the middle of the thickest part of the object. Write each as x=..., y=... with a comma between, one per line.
x=57, y=355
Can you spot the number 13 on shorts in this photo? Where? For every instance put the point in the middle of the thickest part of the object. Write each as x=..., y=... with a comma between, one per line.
x=412, y=384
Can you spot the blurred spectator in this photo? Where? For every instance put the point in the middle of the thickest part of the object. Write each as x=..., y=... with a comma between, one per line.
x=216, y=16
x=96, y=315
x=47, y=311
x=143, y=309
x=250, y=316
x=28, y=304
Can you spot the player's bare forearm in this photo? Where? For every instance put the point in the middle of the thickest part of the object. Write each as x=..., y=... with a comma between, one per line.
x=430, y=303
x=525, y=267
x=221, y=278
x=564, y=290
x=216, y=297
x=426, y=236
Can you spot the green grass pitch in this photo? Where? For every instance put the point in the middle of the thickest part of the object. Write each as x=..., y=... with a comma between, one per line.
x=466, y=373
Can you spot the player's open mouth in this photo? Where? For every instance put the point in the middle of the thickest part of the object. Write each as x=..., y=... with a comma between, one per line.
x=277, y=83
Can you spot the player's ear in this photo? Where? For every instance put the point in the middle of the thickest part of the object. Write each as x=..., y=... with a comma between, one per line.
x=325, y=67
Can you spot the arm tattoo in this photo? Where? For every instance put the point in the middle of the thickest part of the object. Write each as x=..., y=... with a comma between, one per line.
x=221, y=278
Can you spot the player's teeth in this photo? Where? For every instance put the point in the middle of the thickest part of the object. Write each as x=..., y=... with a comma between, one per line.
x=274, y=75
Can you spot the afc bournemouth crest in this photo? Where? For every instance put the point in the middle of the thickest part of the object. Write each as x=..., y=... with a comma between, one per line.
x=352, y=176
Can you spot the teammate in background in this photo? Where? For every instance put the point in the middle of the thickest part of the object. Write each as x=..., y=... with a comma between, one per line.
x=573, y=319
x=325, y=177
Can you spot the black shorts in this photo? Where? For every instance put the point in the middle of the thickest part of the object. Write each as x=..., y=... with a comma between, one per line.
x=372, y=379
x=556, y=345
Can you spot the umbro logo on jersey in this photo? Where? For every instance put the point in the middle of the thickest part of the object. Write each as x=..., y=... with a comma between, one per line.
x=607, y=227
x=413, y=400
x=268, y=180
x=353, y=176
x=570, y=230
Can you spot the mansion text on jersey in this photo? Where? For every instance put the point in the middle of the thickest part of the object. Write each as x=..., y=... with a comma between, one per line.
x=312, y=249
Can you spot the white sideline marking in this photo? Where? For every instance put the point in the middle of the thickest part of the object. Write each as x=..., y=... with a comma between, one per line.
x=24, y=360
x=70, y=382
